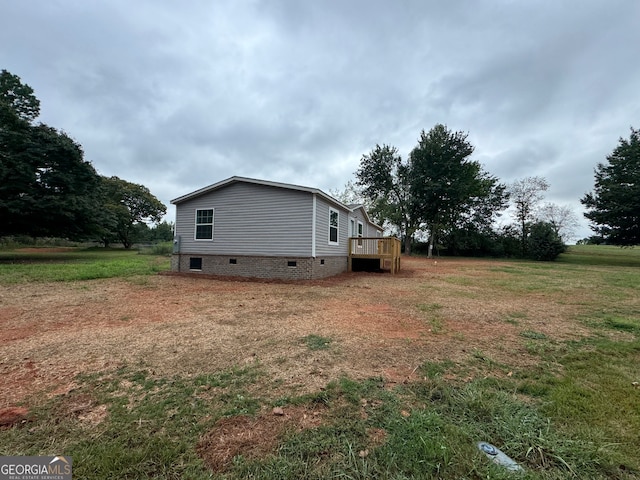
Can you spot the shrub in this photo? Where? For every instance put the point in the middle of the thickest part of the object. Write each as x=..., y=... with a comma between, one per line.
x=544, y=243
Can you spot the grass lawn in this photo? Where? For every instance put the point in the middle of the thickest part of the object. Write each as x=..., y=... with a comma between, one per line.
x=235, y=380
x=72, y=263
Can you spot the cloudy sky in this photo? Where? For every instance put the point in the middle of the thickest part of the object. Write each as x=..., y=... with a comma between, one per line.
x=180, y=95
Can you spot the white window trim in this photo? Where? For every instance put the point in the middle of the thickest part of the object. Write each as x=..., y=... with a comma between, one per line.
x=360, y=233
x=195, y=224
x=337, y=227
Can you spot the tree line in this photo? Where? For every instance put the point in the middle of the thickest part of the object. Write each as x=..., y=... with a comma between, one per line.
x=440, y=194
x=48, y=189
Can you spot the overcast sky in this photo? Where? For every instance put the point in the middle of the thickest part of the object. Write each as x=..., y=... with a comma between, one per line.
x=180, y=95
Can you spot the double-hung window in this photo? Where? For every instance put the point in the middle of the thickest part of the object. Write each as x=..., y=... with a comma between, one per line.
x=333, y=226
x=204, y=224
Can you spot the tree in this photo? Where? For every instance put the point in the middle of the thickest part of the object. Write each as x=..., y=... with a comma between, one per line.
x=614, y=206
x=543, y=242
x=18, y=98
x=385, y=182
x=46, y=186
x=472, y=232
x=350, y=195
x=447, y=185
x=126, y=205
x=162, y=232
x=439, y=188
x=62, y=197
x=562, y=219
x=526, y=194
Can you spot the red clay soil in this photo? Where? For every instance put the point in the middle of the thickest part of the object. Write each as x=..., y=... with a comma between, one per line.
x=379, y=325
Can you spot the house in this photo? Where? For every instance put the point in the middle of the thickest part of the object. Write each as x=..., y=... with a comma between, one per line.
x=257, y=228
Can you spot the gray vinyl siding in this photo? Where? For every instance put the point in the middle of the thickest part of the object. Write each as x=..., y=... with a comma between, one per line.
x=323, y=247
x=249, y=219
x=369, y=230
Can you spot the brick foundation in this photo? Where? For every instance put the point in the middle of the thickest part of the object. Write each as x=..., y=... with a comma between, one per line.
x=285, y=268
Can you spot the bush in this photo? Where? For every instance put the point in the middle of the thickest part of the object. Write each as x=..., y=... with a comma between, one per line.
x=164, y=248
x=544, y=243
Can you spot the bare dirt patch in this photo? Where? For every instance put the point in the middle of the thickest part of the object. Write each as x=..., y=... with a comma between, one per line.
x=380, y=326
x=253, y=437
x=10, y=416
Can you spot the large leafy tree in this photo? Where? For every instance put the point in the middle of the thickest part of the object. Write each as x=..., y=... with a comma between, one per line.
x=614, y=205
x=46, y=186
x=126, y=208
x=18, y=98
x=385, y=182
x=448, y=187
x=439, y=188
x=473, y=228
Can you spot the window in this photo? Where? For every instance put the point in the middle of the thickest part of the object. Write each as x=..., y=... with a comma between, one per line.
x=360, y=233
x=333, y=225
x=352, y=227
x=195, y=263
x=204, y=224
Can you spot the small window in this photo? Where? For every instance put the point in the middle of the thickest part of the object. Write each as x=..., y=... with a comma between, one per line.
x=322, y=262
x=333, y=225
x=233, y=261
x=195, y=263
x=204, y=224
x=292, y=263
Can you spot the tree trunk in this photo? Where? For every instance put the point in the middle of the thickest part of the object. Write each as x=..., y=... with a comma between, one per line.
x=407, y=244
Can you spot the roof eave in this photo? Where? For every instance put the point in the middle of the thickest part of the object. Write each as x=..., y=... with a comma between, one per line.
x=235, y=179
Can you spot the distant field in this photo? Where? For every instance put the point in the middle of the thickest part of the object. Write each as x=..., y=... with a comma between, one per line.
x=602, y=255
x=140, y=375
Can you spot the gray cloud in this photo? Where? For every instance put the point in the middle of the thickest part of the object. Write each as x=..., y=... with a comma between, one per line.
x=177, y=96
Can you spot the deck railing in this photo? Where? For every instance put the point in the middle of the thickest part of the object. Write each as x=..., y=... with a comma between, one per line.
x=386, y=249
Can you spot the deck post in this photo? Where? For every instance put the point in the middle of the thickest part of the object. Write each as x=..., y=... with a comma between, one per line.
x=381, y=248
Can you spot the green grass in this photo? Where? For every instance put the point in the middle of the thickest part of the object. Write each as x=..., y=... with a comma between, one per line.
x=573, y=413
x=430, y=428
x=431, y=314
x=76, y=264
x=316, y=342
x=601, y=255
x=151, y=428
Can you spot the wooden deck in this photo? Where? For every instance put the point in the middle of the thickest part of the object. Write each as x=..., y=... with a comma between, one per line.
x=386, y=249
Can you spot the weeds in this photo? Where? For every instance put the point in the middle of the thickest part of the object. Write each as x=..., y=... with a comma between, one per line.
x=316, y=342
